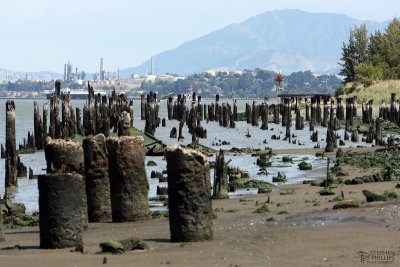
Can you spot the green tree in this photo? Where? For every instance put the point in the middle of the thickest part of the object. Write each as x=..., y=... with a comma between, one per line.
x=355, y=52
x=392, y=44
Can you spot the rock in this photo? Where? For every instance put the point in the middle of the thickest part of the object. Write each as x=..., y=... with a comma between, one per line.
x=118, y=247
x=371, y=197
x=326, y=192
x=280, y=178
x=162, y=190
x=151, y=163
x=155, y=174
x=133, y=243
x=346, y=205
x=303, y=166
x=163, y=179
x=113, y=247
x=287, y=159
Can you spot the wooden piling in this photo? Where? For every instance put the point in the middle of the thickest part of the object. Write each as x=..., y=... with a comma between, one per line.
x=189, y=199
x=128, y=181
x=11, y=153
x=220, y=188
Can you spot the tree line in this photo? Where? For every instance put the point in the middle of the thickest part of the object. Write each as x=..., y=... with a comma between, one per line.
x=375, y=57
x=248, y=84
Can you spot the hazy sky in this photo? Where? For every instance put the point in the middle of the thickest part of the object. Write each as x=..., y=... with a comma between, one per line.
x=43, y=34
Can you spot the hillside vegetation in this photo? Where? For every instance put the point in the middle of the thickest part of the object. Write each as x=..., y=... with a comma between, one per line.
x=378, y=92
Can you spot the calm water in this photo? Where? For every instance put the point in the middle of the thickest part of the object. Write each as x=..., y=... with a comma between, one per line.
x=28, y=193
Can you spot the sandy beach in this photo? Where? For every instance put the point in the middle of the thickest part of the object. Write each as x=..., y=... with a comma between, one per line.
x=301, y=228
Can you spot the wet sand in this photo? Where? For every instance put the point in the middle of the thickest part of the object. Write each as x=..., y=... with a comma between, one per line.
x=304, y=231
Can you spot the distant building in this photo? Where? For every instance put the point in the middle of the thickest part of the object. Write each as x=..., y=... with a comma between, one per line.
x=68, y=74
x=150, y=78
x=152, y=67
x=102, y=71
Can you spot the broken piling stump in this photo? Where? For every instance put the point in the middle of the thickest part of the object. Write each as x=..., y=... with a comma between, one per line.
x=189, y=199
x=97, y=179
x=128, y=181
x=220, y=188
x=60, y=205
x=64, y=157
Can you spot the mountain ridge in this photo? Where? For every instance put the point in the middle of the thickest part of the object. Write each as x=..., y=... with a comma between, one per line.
x=270, y=40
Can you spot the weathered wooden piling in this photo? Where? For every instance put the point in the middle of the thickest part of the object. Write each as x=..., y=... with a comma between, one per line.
x=1, y=225
x=124, y=124
x=331, y=141
x=217, y=108
x=248, y=113
x=378, y=132
x=142, y=107
x=254, y=114
x=264, y=116
x=314, y=136
x=220, y=188
x=200, y=109
x=11, y=153
x=288, y=111
x=354, y=136
x=276, y=113
x=78, y=121
x=97, y=178
x=65, y=116
x=38, y=127
x=235, y=111
x=307, y=110
x=128, y=181
x=332, y=118
x=299, y=121
x=346, y=136
x=63, y=156
x=55, y=124
x=180, y=136
x=232, y=123
x=22, y=170
x=170, y=107
x=284, y=112
x=3, y=152
x=151, y=114
x=205, y=110
x=349, y=112
x=225, y=115
x=370, y=135
x=60, y=210
x=339, y=109
x=189, y=199
x=172, y=134
x=313, y=119
x=318, y=110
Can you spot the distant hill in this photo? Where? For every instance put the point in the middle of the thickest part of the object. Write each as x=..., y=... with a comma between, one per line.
x=287, y=40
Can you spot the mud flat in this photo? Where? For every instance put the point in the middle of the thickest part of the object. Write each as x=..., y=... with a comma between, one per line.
x=300, y=228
